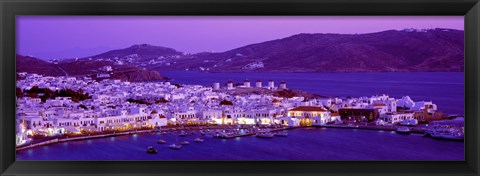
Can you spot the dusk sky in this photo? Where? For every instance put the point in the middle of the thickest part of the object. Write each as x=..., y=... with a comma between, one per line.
x=57, y=37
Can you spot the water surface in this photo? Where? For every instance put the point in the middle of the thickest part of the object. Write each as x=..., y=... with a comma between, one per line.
x=301, y=144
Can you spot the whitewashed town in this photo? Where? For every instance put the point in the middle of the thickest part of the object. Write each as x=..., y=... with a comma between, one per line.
x=115, y=105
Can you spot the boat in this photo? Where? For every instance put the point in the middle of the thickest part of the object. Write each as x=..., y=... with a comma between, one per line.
x=198, y=140
x=409, y=122
x=161, y=141
x=175, y=146
x=352, y=125
x=264, y=135
x=222, y=135
x=448, y=135
x=403, y=130
x=184, y=143
x=182, y=134
x=448, y=129
x=202, y=132
x=151, y=150
x=281, y=134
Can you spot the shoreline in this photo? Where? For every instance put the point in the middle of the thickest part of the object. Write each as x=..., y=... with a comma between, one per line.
x=164, y=129
x=384, y=128
x=60, y=140
x=198, y=128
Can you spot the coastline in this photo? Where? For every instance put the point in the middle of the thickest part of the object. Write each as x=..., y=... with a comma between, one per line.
x=164, y=129
x=384, y=128
x=60, y=140
x=198, y=128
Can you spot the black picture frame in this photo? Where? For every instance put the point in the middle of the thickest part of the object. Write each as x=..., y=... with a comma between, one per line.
x=11, y=8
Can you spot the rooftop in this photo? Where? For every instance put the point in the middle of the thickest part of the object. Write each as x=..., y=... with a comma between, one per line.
x=308, y=108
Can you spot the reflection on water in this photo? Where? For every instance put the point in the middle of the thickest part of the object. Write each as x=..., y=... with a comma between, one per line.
x=301, y=144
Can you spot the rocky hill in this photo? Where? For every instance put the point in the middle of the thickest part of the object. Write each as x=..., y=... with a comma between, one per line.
x=141, y=55
x=35, y=65
x=406, y=50
x=86, y=68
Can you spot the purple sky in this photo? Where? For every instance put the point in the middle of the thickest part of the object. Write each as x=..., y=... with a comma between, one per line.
x=52, y=37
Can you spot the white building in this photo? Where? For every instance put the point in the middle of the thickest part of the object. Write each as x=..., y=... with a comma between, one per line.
x=393, y=118
x=246, y=83
x=230, y=85
x=156, y=119
x=216, y=86
x=283, y=85
x=213, y=115
x=289, y=121
x=107, y=68
x=271, y=84
x=258, y=84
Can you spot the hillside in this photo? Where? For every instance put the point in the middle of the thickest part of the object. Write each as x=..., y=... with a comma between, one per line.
x=407, y=50
x=410, y=50
x=141, y=55
x=35, y=65
x=85, y=67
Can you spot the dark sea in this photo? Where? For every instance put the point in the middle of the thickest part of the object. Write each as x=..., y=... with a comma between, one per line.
x=301, y=144
x=444, y=89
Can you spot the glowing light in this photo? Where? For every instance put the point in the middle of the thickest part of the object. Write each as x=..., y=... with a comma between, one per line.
x=218, y=121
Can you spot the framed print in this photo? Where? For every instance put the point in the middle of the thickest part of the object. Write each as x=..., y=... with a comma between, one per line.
x=341, y=77
x=255, y=87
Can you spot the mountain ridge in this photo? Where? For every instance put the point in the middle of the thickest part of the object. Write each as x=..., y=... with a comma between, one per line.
x=80, y=68
x=408, y=50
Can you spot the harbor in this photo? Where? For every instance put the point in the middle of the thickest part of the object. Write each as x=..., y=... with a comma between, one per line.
x=198, y=115
x=324, y=143
x=239, y=131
